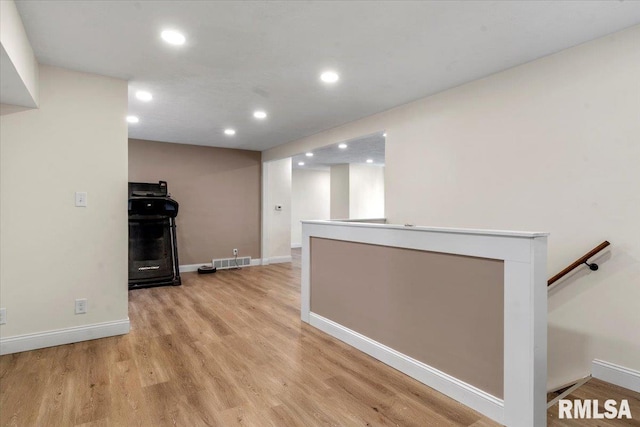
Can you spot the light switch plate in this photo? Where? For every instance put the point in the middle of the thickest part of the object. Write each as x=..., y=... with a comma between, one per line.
x=81, y=306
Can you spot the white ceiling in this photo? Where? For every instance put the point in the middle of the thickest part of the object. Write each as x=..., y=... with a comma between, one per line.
x=358, y=151
x=240, y=56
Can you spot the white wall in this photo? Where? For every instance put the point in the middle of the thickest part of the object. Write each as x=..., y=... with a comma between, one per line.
x=551, y=145
x=19, y=66
x=357, y=191
x=277, y=224
x=366, y=191
x=339, y=204
x=310, y=199
x=51, y=251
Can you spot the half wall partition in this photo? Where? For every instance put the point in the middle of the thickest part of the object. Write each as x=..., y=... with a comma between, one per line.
x=463, y=311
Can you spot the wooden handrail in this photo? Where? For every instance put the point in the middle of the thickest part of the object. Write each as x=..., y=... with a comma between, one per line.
x=579, y=262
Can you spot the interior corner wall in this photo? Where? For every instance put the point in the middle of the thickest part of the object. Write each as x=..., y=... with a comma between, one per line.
x=551, y=145
x=277, y=222
x=52, y=252
x=310, y=199
x=21, y=70
x=339, y=195
x=218, y=190
x=366, y=191
x=357, y=191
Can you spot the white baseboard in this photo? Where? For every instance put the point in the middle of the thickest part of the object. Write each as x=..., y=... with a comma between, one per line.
x=464, y=393
x=276, y=260
x=27, y=342
x=616, y=374
x=296, y=245
x=188, y=268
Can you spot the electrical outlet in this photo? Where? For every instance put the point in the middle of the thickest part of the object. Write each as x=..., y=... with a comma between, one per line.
x=235, y=252
x=3, y=316
x=81, y=306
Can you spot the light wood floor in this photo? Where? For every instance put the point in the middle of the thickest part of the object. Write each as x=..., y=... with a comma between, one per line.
x=224, y=349
x=595, y=389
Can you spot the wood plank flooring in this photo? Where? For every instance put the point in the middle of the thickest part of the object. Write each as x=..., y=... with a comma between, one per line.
x=600, y=390
x=226, y=349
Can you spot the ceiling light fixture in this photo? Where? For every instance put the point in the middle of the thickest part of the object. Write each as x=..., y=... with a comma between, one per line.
x=259, y=114
x=229, y=132
x=384, y=134
x=309, y=154
x=369, y=160
x=329, y=77
x=132, y=119
x=144, y=96
x=343, y=146
x=173, y=37
x=300, y=163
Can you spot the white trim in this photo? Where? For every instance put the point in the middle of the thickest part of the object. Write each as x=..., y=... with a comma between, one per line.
x=365, y=220
x=525, y=297
x=187, y=268
x=264, y=229
x=464, y=393
x=615, y=374
x=490, y=245
x=276, y=260
x=568, y=391
x=525, y=337
x=305, y=273
x=62, y=336
x=447, y=230
x=296, y=245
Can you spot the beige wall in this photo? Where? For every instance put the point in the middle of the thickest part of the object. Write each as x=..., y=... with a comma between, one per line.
x=551, y=145
x=52, y=252
x=441, y=309
x=310, y=190
x=277, y=224
x=218, y=190
x=339, y=196
x=366, y=191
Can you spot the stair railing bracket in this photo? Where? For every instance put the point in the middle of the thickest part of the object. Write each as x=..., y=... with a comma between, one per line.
x=593, y=266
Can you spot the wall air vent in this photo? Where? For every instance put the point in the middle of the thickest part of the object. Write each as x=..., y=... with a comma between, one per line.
x=226, y=263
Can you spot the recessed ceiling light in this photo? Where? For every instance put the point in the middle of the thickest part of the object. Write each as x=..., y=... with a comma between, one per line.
x=329, y=77
x=132, y=119
x=343, y=146
x=229, y=132
x=369, y=160
x=144, y=96
x=259, y=114
x=309, y=154
x=173, y=37
x=384, y=134
x=300, y=163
